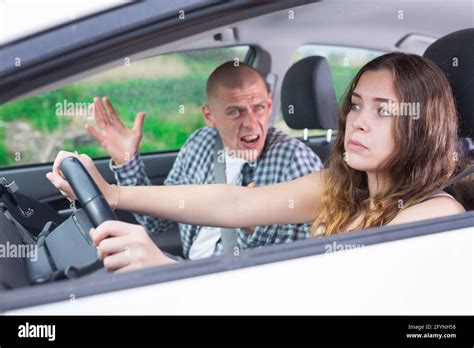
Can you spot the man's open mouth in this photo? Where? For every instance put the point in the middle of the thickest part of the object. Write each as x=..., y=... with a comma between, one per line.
x=250, y=139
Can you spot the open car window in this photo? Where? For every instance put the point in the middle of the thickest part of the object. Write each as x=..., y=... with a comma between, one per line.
x=169, y=88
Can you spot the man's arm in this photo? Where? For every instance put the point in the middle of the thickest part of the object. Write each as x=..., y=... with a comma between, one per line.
x=132, y=173
x=122, y=145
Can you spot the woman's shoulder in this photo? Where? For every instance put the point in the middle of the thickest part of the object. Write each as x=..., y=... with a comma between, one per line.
x=435, y=205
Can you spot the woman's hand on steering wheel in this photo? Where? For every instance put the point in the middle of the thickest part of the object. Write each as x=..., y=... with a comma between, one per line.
x=56, y=177
x=125, y=247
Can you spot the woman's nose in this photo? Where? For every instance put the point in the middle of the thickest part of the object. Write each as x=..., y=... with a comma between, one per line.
x=360, y=120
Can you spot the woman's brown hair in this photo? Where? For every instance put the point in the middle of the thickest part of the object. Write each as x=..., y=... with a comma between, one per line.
x=426, y=149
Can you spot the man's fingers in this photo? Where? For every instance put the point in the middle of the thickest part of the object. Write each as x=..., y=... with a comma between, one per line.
x=94, y=133
x=138, y=123
x=100, y=114
x=111, y=112
x=252, y=184
x=110, y=228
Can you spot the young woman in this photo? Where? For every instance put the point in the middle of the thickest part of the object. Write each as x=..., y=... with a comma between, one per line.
x=396, y=145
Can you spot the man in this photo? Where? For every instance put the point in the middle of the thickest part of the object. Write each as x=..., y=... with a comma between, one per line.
x=237, y=111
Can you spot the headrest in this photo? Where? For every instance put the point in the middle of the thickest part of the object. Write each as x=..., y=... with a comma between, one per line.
x=308, y=99
x=454, y=53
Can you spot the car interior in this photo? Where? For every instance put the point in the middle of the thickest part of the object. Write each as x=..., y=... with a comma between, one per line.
x=305, y=84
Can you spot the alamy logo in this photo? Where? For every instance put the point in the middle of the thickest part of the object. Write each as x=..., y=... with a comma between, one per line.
x=22, y=251
x=67, y=108
x=37, y=331
x=237, y=156
x=334, y=247
x=402, y=109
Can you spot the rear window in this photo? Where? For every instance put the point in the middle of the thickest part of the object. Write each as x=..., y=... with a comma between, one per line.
x=344, y=63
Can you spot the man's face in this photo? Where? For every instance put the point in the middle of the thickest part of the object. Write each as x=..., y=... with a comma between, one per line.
x=241, y=116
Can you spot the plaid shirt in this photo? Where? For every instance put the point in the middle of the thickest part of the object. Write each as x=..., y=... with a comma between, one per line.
x=283, y=159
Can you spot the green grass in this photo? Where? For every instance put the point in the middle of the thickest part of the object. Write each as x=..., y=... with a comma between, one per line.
x=39, y=110
x=5, y=156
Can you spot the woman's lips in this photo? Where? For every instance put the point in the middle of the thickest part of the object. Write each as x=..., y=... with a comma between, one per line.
x=354, y=145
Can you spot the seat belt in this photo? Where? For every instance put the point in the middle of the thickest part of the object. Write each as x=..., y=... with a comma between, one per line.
x=228, y=235
x=468, y=171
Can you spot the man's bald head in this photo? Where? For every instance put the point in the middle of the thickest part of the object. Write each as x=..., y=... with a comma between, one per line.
x=239, y=105
x=231, y=76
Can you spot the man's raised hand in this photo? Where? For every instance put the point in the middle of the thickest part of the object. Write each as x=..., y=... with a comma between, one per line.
x=120, y=142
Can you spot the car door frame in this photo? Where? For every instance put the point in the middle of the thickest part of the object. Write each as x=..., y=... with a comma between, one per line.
x=94, y=285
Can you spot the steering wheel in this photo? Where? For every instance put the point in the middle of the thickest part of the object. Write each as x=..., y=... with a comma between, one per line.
x=86, y=191
x=69, y=245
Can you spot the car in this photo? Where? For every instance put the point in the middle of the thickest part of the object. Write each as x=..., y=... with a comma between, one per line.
x=169, y=48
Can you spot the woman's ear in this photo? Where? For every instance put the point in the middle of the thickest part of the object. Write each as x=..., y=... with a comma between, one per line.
x=208, y=117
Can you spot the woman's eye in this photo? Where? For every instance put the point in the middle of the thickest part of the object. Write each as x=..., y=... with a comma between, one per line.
x=384, y=112
x=355, y=106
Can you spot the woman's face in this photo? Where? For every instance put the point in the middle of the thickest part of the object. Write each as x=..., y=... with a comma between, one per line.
x=369, y=125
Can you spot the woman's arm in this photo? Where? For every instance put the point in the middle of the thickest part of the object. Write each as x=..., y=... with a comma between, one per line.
x=218, y=205
x=228, y=206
